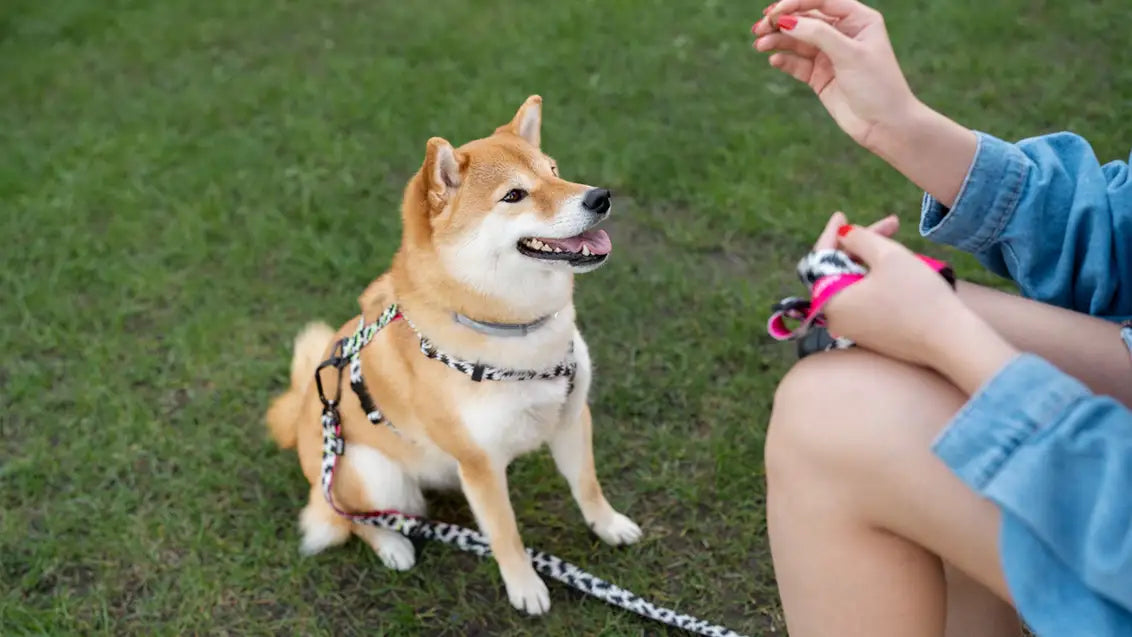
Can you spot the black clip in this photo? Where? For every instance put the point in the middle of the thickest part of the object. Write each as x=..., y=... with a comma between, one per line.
x=477, y=372
x=948, y=274
x=337, y=362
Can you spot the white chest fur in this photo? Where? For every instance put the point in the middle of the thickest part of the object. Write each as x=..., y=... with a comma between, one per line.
x=508, y=419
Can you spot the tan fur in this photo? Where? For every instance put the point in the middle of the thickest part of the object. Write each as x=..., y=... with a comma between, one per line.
x=444, y=204
x=311, y=346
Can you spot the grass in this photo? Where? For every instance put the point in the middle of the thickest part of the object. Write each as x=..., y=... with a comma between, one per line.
x=183, y=184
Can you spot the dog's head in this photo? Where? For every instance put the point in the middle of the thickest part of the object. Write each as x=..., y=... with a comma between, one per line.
x=499, y=217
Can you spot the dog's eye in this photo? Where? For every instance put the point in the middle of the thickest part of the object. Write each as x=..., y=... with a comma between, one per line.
x=515, y=195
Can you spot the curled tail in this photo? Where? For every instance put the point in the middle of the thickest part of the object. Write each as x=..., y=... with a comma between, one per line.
x=282, y=416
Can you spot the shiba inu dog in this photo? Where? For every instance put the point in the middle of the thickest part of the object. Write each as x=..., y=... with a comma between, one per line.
x=492, y=239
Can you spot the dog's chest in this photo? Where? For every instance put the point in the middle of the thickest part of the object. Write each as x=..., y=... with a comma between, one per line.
x=508, y=419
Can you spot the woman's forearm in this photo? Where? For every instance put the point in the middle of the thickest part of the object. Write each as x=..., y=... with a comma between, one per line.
x=969, y=352
x=929, y=149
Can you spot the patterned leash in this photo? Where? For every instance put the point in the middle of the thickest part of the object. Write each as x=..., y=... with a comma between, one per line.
x=825, y=273
x=347, y=353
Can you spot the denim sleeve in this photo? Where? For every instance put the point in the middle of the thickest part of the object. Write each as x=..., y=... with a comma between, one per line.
x=1057, y=460
x=1045, y=213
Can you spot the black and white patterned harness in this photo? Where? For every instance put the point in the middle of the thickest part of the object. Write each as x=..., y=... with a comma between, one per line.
x=347, y=353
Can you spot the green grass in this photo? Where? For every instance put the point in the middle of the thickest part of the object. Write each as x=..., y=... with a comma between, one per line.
x=183, y=184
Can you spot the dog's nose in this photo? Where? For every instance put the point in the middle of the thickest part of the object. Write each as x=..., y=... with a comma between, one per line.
x=597, y=200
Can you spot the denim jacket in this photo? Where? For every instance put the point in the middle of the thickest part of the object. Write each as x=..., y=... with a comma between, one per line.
x=1056, y=459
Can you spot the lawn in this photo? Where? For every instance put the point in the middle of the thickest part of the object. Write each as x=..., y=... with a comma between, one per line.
x=184, y=183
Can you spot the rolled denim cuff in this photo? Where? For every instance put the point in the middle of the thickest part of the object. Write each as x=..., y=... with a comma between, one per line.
x=1024, y=396
x=987, y=199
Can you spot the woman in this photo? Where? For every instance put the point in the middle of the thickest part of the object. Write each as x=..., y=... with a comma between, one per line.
x=973, y=455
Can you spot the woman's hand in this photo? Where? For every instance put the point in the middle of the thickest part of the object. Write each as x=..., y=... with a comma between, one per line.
x=841, y=49
x=905, y=310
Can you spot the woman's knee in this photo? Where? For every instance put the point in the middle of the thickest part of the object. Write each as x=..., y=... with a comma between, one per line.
x=850, y=410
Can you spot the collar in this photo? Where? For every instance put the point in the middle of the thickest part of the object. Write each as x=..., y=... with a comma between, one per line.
x=502, y=329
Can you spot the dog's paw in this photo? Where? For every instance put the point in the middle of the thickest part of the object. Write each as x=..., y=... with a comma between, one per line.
x=396, y=552
x=528, y=592
x=617, y=530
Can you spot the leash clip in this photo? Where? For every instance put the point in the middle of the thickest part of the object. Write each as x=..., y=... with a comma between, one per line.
x=337, y=361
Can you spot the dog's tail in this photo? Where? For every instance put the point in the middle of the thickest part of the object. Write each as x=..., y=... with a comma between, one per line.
x=283, y=414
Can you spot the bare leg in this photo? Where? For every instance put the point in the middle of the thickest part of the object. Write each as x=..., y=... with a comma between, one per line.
x=863, y=518
x=974, y=611
x=860, y=513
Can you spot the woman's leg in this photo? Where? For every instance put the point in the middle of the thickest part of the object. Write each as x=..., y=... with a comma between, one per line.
x=974, y=611
x=849, y=444
x=1085, y=347
x=859, y=510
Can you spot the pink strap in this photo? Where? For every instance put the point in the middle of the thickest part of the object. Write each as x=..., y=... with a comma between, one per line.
x=823, y=290
x=826, y=287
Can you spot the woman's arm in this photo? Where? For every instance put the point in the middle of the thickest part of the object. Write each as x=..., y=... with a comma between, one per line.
x=1045, y=213
x=928, y=148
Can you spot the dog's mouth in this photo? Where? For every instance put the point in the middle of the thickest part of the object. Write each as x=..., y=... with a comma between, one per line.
x=590, y=247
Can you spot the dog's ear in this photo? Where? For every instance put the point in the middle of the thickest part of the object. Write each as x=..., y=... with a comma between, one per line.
x=527, y=122
x=441, y=172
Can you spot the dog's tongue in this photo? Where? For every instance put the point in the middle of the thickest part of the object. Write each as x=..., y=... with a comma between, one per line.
x=596, y=240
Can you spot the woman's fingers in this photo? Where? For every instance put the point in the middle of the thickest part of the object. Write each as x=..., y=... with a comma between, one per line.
x=850, y=17
x=868, y=246
x=827, y=240
x=799, y=67
x=886, y=227
x=783, y=42
x=832, y=8
x=821, y=35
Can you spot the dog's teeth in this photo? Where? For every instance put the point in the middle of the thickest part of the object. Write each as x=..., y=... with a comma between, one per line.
x=535, y=243
x=585, y=251
x=558, y=249
x=545, y=248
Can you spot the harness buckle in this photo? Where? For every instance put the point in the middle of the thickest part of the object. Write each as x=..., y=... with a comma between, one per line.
x=477, y=372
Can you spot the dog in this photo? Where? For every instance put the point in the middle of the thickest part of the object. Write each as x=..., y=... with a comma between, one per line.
x=492, y=238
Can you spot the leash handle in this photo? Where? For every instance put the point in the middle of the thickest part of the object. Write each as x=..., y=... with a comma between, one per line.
x=827, y=273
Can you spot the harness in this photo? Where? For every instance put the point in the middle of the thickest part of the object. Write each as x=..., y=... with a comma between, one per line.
x=825, y=273
x=347, y=353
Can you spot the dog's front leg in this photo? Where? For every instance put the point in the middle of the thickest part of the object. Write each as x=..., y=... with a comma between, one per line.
x=572, y=448
x=485, y=486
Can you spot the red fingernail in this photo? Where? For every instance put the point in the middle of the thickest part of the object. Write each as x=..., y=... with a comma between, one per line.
x=755, y=26
x=787, y=22
x=844, y=230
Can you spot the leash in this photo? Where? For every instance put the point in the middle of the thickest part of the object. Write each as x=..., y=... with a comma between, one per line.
x=825, y=273
x=347, y=352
